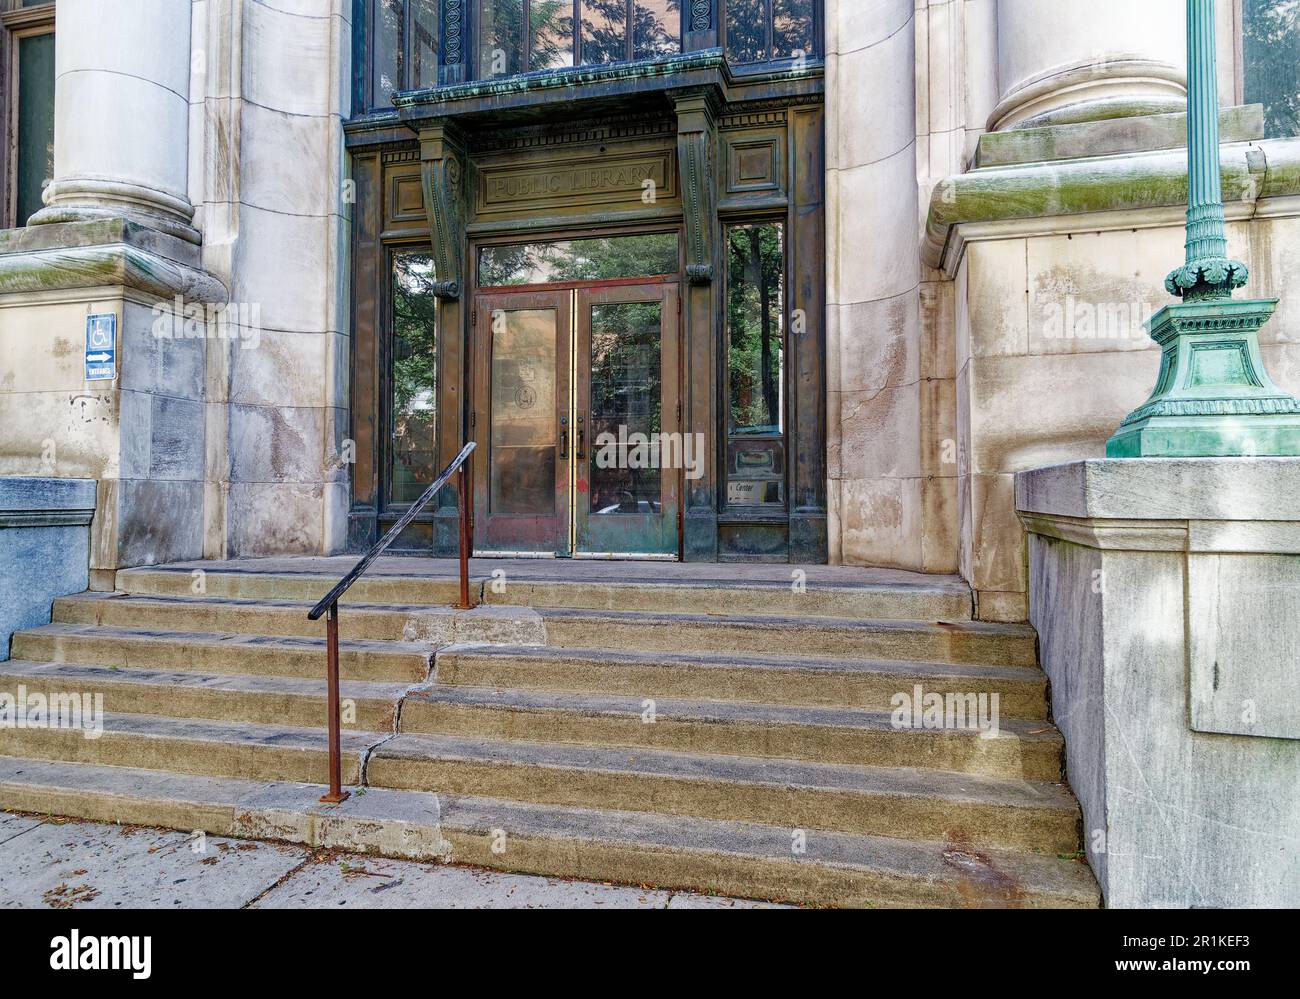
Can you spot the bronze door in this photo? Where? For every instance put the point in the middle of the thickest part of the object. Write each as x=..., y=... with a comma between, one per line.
x=522, y=401
x=576, y=415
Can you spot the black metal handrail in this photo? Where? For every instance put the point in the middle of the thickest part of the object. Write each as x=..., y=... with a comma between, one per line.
x=330, y=602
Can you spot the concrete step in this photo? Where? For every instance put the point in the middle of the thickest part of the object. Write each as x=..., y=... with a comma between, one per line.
x=253, y=584
x=958, y=642
x=216, y=652
x=921, y=598
x=261, y=700
x=430, y=625
x=895, y=802
x=195, y=746
x=797, y=680
x=954, y=642
x=1020, y=749
x=735, y=858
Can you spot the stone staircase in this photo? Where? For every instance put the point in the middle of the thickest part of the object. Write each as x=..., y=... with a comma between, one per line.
x=728, y=733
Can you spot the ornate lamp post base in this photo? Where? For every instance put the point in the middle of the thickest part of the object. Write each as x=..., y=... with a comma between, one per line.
x=1213, y=397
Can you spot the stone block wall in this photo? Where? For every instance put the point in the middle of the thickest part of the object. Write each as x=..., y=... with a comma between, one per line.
x=1053, y=354
x=270, y=90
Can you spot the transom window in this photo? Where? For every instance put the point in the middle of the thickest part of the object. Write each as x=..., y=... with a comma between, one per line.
x=523, y=36
x=770, y=30
x=422, y=44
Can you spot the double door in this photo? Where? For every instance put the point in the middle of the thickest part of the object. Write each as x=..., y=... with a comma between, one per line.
x=576, y=414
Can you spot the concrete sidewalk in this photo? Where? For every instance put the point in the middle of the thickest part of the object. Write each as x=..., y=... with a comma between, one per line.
x=49, y=862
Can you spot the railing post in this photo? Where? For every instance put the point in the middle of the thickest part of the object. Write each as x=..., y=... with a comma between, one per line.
x=336, y=792
x=462, y=502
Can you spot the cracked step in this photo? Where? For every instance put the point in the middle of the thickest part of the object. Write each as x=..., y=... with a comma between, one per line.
x=261, y=700
x=895, y=802
x=196, y=746
x=215, y=652
x=1021, y=749
x=736, y=858
x=792, y=680
x=431, y=625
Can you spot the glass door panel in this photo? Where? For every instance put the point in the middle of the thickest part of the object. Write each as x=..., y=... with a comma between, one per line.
x=521, y=415
x=628, y=478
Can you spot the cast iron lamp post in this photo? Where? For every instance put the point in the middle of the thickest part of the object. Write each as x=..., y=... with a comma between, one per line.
x=1212, y=396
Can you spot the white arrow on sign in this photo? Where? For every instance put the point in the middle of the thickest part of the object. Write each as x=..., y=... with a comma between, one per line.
x=99, y=357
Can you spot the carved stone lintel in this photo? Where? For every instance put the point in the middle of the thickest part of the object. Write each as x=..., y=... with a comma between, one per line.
x=442, y=173
x=697, y=138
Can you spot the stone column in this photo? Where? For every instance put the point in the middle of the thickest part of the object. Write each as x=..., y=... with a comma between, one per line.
x=122, y=114
x=1065, y=61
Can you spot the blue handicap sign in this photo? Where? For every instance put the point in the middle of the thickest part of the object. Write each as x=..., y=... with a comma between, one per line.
x=101, y=347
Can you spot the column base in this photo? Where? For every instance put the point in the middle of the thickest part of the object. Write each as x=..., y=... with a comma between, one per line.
x=90, y=199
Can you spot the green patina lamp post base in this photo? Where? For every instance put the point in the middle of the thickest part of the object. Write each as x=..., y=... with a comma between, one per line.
x=1213, y=397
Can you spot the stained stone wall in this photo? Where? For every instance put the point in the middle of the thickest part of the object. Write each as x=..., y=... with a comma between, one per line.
x=874, y=281
x=1018, y=340
x=270, y=89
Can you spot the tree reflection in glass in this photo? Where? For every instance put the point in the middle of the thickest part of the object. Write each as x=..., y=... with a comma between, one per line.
x=413, y=415
x=594, y=259
x=746, y=30
x=792, y=28
x=755, y=273
x=626, y=385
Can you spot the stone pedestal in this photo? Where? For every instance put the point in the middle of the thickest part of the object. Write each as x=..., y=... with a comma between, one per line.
x=1166, y=594
x=1086, y=61
x=139, y=434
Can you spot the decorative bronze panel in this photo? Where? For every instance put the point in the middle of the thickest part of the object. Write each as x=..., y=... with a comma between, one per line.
x=405, y=198
x=754, y=163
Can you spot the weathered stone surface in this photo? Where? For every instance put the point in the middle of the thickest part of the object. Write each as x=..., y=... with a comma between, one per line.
x=1165, y=596
x=44, y=548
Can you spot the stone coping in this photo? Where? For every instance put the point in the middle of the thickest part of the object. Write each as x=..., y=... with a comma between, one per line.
x=103, y=253
x=1133, y=188
x=46, y=502
x=1147, y=490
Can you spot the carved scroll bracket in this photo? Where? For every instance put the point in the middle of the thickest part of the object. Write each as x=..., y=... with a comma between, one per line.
x=442, y=174
x=697, y=142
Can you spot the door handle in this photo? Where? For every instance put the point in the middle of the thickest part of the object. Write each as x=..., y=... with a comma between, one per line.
x=582, y=440
x=564, y=443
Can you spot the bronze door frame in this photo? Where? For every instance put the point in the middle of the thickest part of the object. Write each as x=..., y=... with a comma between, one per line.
x=572, y=302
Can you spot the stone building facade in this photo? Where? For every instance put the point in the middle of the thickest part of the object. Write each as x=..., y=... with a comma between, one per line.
x=973, y=204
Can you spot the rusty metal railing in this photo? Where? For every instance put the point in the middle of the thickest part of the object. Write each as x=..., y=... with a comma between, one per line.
x=330, y=602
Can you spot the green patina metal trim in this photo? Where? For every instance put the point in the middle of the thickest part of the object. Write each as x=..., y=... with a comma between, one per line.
x=1213, y=396
x=1208, y=273
x=569, y=76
